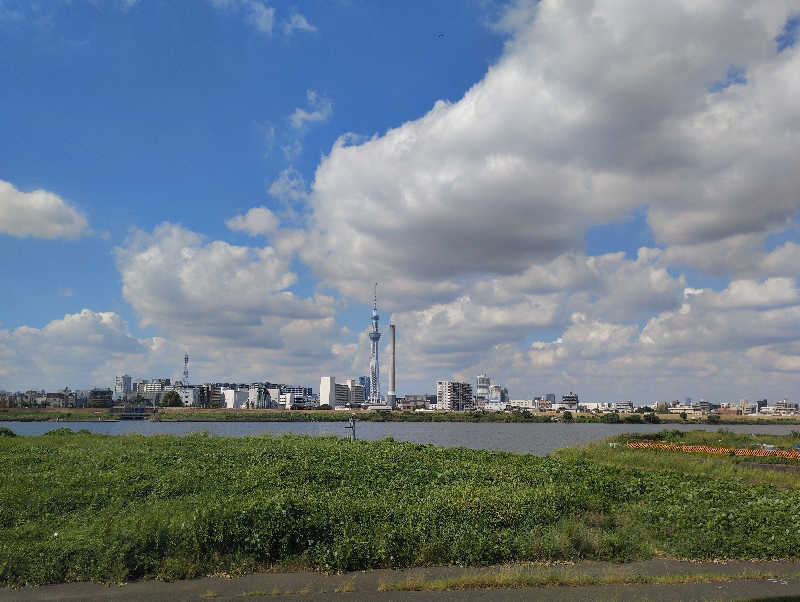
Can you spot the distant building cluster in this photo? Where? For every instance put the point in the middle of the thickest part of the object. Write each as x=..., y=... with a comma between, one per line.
x=364, y=392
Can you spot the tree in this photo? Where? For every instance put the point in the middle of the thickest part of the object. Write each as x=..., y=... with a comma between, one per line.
x=610, y=418
x=171, y=399
x=652, y=418
x=713, y=419
x=567, y=416
x=683, y=415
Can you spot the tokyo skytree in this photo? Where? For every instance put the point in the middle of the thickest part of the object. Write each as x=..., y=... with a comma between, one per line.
x=374, y=370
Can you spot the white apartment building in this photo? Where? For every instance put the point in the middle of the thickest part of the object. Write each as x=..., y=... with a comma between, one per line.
x=453, y=396
x=236, y=399
x=532, y=405
x=622, y=407
x=340, y=395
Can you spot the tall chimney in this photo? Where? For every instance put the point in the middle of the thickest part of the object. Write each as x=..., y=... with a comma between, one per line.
x=392, y=395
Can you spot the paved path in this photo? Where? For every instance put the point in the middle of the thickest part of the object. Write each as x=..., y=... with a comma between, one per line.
x=364, y=585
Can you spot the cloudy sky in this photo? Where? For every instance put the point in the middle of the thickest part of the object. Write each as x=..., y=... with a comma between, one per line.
x=568, y=195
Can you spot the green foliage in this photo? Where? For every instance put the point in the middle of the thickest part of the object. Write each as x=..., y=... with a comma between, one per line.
x=651, y=418
x=117, y=508
x=6, y=432
x=632, y=419
x=171, y=399
x=683, y=415
x=324, y=406
x=567, y=416
x=610, y=418
x=713, y=419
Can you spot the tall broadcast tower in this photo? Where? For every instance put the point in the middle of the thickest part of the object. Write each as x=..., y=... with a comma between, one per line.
x=374, y=337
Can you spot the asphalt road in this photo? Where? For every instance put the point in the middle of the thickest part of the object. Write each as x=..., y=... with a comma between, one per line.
x=364, y=585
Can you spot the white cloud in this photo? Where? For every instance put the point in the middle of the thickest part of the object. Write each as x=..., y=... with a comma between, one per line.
x=258, y=220
x=40, y=214
x=592, y=111
x=79, y=350
x=258, y=14
x=289, y=187
x=319, y=109
x=232, y=303
x=297, y=22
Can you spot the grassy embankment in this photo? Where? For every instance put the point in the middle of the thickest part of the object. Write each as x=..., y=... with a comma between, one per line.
x=55, y=414
x=115, y=508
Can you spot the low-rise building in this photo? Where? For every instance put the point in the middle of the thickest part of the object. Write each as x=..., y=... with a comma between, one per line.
x=568, y=402
x=236, y=399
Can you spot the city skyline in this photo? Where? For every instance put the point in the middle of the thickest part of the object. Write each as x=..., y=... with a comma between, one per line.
x=562, y=197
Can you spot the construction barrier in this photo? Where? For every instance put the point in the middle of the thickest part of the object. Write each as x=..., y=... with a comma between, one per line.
x=706, y=449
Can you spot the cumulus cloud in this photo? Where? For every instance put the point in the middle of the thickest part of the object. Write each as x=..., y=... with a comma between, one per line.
x=258, y=220
x=319, y=109
x=592, y=111
x=79, y=350
x=39, y=214
x=232, y=302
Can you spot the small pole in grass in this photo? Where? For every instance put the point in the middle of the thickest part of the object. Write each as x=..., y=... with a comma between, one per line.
x=352, y=426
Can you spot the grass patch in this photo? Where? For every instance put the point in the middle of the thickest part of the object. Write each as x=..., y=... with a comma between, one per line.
x=118, y=508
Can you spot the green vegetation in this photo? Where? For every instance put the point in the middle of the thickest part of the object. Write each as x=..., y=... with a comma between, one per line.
x=614, y=453
x=171, y=399
x=54, y=414
x=77, y=506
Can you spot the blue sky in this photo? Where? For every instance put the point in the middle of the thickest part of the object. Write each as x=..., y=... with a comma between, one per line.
x=570, y=201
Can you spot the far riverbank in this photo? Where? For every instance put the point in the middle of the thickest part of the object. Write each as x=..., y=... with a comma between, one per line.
x=226, y=415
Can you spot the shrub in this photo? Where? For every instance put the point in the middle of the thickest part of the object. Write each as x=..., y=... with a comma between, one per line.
x=652, y=418
x=567, y=416
x=633, y=419
x=171, y=399
x=610, y=418
x=6, y=432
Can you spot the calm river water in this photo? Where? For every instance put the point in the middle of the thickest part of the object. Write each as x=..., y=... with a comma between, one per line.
x=532, y=438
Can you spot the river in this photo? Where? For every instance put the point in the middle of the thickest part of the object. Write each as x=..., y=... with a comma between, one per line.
x=532, y=438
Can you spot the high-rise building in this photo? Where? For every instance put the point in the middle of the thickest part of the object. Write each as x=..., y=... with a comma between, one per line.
x=374, y=369
x=364, y=382
x=482, y=386
x=122, y=385
x=453, y=396
x=498, y=394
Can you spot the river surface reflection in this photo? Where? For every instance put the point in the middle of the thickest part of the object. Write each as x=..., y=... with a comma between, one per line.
x=532, y=438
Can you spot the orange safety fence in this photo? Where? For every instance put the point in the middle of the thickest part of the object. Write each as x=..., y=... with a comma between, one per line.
x=706, y=449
